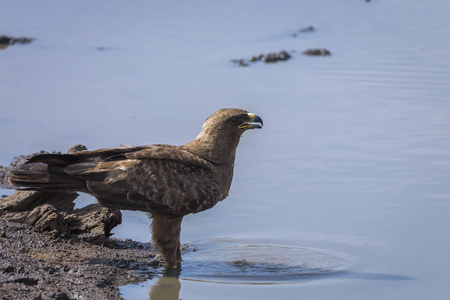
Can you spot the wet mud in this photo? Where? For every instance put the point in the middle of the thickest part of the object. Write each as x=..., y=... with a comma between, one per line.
x=36, y=265
x=48, y=250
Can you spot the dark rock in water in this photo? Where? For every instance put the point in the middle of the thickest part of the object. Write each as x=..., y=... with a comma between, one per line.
x=283, y=55
x=317, y=52
x=270, y=58
x=256, y=58
x=267, y=58
x=307, y=29
x=274, y=57
x=303, y=30
x=6, y=41
x=240, y=62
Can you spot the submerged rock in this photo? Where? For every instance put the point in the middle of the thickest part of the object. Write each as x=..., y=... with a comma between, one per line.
x=272, y=57
x=317, y=52
x=256, y=58
x=240, y=62
x=6, y=41
x=303, y=30
x=307, y=29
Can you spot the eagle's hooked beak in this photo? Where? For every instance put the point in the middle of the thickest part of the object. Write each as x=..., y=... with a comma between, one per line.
x=254, y=122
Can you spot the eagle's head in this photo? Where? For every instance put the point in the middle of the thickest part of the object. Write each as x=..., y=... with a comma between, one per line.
x=221, y=132
x=232, y=120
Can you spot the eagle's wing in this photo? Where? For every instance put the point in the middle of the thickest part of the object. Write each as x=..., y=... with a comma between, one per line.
x=159, y=178
x=176, y=153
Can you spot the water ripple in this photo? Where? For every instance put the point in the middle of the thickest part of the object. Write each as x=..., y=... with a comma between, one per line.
x=260, y=262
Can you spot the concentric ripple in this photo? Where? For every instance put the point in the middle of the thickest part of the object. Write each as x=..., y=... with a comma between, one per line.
x=260, y=262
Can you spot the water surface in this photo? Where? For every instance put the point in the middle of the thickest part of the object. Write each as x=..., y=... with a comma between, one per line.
x=353, y=161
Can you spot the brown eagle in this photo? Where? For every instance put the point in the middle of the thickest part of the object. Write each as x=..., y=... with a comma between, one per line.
x=167, y=181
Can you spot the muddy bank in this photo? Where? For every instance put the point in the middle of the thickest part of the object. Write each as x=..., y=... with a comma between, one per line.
x=48, y=250
x=36, y=265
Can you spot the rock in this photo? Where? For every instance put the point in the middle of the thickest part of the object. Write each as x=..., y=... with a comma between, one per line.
x=12, y=40
x=28, y=200
x=274, y=57
x=240, y=62
x=53, y=212
x=303, y=30
x=270, y=58
x=307, y=29
x=6, y=41
x=256, y=58
x=76, y=148
x=267, y=58
x=317, y=52
x=283, y=55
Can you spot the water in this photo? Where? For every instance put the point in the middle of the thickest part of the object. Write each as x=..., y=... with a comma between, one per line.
x=351, y=167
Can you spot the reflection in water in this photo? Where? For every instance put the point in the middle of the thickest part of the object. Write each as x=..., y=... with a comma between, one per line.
x=167, y=287
x=249, y=262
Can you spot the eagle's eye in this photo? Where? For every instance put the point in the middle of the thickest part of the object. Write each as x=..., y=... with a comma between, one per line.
x=238, y=120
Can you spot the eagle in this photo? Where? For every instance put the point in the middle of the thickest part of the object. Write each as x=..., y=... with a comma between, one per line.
x=168, y=182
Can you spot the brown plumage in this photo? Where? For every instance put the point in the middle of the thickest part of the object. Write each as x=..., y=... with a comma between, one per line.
x=167, y=181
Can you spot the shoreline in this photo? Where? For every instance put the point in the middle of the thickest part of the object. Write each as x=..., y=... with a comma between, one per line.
x=36, y=265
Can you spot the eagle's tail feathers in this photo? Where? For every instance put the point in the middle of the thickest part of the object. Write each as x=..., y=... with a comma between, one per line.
x=46, y=173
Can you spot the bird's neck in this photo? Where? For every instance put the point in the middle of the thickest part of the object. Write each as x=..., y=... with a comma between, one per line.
x=215, y=148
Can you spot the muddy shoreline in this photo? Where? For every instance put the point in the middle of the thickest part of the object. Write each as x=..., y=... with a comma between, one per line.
x=36, y=265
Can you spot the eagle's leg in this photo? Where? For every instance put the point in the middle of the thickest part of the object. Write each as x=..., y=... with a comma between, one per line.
x=166, y=238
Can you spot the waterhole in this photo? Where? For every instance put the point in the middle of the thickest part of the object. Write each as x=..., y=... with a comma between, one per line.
x=260, y=262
